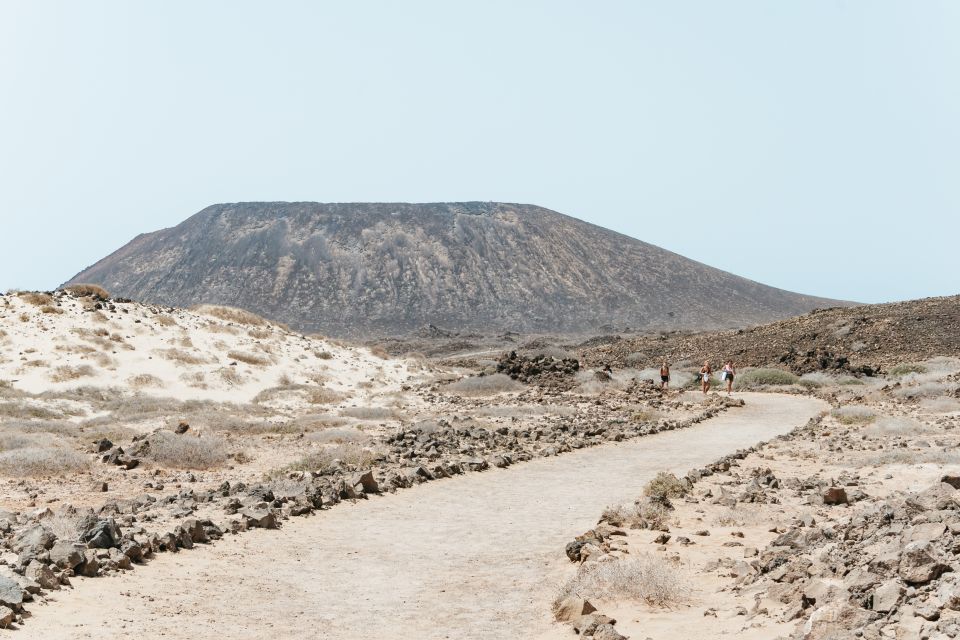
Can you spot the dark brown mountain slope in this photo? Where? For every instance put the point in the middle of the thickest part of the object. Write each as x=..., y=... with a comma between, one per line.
x=362, y=269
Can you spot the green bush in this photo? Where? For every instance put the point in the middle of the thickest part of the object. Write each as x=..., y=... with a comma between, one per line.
x=765, y=378
x=904, y=369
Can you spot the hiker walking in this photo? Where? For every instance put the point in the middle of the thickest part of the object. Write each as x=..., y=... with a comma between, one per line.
x=705, y=372
x=727, y=375
x=664, y=375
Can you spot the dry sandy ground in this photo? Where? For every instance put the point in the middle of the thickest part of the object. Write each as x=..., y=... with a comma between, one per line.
x=469, y=557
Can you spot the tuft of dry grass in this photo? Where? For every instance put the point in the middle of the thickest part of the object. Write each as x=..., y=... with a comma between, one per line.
x=88, y=291
x=36, y=298
x=249, y=358
x=322, y=460
x=369, y=413
x=27, y=455
x=180, y=356
x=664, y=487
x=230, y=375
x=854, y=414
x=230, y=314
x=51, y=309
x=164, y=320
x=648, y=579
x=485, y=385
x=66, y=373
x=186, y=451
x=378, y=351
x=259, y=334
x=144, y=380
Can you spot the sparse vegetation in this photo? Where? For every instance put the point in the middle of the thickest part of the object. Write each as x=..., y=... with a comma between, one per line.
x=349, y=454
x=65, y=373
x=186, y=451
x=904, y=369
x=765, y=378
x=144, y=380
x=649, y=579
x=47, y=308
x=230, y=314
x=88, y=291
x=485, y=385
x=249, y=358
x=369, y=413
x=36, y=298
x=854, y=414
x=180, y=356
x=664, y=487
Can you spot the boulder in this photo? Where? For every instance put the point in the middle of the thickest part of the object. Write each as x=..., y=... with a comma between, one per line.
x=35, y=538
x=607, y=632
x=11, y=594
x=367, y=482
x=42, y=575
x=835, y=496
x=887, y=596
x=7, y=616
x=264, y=518
x=571, y=608
x=99, y=534
x=66, y=555
x=919, y=563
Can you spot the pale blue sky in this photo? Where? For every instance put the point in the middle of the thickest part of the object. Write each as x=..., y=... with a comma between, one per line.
x=809, y=145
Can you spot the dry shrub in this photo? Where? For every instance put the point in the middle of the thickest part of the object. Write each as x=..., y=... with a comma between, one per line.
x=23, y=455
x=648, y=579
x=349, y=454
x=929, y=455
x=369, y=413
x=322, y=395
x=165, y=320
x=230, y=314
x=26, y=409
x=940, y=405
x=337, y=436
x=664, y=487
x=249, y=358
x=36, y=298
x=186, y=451
x=378, y=351
x=854, y=414
x=88, y=291
x=181, y=356
x=323, y=355
x=230, y=375
x=144, y=380
x=259, y=334
x=51, y=309
x=924, y=390
x=485, y=385
x=66, y=372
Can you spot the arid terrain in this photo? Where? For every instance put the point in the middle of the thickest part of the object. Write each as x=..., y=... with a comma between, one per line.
x=540, y=491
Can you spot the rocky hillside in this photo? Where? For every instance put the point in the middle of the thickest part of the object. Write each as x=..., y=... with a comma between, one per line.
x=362, y=269
x=867, y=339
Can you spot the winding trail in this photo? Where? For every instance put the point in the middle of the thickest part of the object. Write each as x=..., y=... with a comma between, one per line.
x=477, y=556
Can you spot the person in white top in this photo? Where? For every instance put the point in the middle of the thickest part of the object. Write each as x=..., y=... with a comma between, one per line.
x=727, y=375
x=705, y=372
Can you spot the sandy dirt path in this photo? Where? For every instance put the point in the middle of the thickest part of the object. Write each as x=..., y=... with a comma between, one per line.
x=476, y=556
